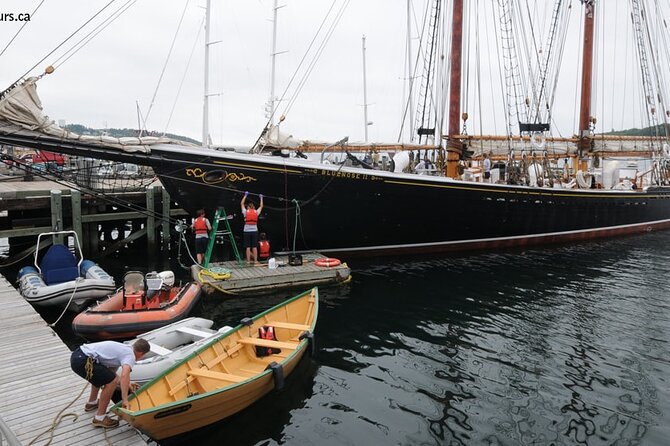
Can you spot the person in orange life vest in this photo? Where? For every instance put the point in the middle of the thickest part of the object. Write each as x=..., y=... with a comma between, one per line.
x=263, y=247
x=251, y=214
x=250, y=239
x=201, y=226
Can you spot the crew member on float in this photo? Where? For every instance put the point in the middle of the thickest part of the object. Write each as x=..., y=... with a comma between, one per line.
x=201, y=226
x=263, y=247
x=250, y=239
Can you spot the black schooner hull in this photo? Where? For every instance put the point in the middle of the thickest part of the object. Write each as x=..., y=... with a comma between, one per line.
x=335, y=209
x=354, y=210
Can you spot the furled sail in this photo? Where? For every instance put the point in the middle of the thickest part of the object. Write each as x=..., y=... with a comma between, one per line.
x=21, y=110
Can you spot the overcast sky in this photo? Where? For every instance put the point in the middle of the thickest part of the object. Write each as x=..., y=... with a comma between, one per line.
x=102, y=83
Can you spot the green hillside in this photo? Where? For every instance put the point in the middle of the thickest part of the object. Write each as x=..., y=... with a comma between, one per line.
x=122, y=133
x=647, y=131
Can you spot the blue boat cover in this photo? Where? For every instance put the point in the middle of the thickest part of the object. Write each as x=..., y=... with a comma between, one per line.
x=59, y=265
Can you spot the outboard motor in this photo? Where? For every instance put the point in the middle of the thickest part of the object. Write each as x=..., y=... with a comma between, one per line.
x=167, y=277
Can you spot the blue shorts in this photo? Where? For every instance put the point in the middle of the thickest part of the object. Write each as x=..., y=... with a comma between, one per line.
x=101, y=374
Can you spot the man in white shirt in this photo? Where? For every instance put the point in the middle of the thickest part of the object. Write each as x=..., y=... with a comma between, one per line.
x=487, y=169
x=96, y=363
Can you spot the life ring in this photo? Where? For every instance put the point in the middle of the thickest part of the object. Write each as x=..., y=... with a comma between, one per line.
x=327, y=262
x=538, y=140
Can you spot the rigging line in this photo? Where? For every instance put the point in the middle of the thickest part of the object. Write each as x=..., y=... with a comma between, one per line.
x=559, y=59
x=320, y=50
x=304, y=57
x=416, y=68
x=92, y=34
x=167, y=59
x=20, y=29
x=66, y=39
x=501, y=71
x=491, y=83
x=479, y=72
x=295, y=73
x=183, y=78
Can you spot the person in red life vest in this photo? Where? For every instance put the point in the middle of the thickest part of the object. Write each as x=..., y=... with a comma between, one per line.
x=263, y=247
x=201, y=226
x=250, y=240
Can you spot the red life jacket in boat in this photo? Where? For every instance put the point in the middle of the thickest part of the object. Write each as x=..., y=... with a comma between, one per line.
x=252, y=217
x=268, y=333
x=200, y=225
x=264, y=251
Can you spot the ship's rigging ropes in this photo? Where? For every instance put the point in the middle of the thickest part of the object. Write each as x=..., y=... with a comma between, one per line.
x=145, y=118
x=20, y=29
x=327, y=28
x=84, y=40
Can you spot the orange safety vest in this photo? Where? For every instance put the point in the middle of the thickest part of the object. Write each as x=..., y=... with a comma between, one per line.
x=200, y=225
x=265, y=249
x=252, y=217
x=267, y=333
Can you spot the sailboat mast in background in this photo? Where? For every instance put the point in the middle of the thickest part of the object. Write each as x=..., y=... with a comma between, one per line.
x=365, y=96
x=205, y=102
x=271, y=105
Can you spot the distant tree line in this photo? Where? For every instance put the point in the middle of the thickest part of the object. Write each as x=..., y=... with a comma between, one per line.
x=647, y=131
x=123, y=133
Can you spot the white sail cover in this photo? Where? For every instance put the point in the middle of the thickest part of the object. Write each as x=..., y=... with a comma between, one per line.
x=276, y=138
x=21, y=106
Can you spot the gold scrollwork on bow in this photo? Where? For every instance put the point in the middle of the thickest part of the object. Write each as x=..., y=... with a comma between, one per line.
x=218, y=176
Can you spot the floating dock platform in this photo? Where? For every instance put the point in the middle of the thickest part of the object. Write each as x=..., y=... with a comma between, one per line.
x=36, y=384
x=251, y=279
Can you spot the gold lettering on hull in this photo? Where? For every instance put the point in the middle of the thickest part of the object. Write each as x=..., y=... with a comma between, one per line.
x=349, y=175
x=218, y=176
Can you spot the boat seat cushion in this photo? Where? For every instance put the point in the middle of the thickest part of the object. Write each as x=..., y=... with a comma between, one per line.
x=59, y=265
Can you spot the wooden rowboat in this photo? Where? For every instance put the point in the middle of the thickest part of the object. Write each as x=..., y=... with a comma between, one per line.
x=227, y=374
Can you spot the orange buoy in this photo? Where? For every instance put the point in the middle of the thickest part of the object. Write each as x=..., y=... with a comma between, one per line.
x=327, y=262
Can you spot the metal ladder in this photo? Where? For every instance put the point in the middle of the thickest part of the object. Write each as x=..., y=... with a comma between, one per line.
x=212, y=239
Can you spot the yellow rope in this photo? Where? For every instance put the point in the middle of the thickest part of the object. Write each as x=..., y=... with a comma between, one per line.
x=212, y=283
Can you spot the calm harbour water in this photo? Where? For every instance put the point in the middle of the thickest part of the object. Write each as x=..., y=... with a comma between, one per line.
x=553, y=346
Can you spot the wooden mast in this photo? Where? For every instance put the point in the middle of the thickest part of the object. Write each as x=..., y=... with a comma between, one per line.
x=454, y=145
x=585, y=118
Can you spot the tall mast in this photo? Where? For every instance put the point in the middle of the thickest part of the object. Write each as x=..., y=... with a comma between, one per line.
x=271, y=101
x=455, y=147
x=587, y=78
x=365, y=95
x=410, y=69
x=205, y=103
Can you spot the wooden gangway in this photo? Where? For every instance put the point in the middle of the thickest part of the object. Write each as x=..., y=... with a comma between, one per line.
x=36, y=382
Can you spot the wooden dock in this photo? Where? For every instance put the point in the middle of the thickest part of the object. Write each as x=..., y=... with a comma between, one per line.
x=36, y=382
x=33, y=207
x=247, y=279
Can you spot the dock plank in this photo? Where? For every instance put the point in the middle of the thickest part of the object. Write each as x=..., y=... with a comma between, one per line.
x=259, y=278
x=36, y=381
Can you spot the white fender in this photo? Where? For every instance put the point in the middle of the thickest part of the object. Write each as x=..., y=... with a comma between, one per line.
x=400, y=161
x=538, y=140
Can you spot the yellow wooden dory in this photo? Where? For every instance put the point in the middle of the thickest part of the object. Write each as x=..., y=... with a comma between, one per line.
x=227, y=374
